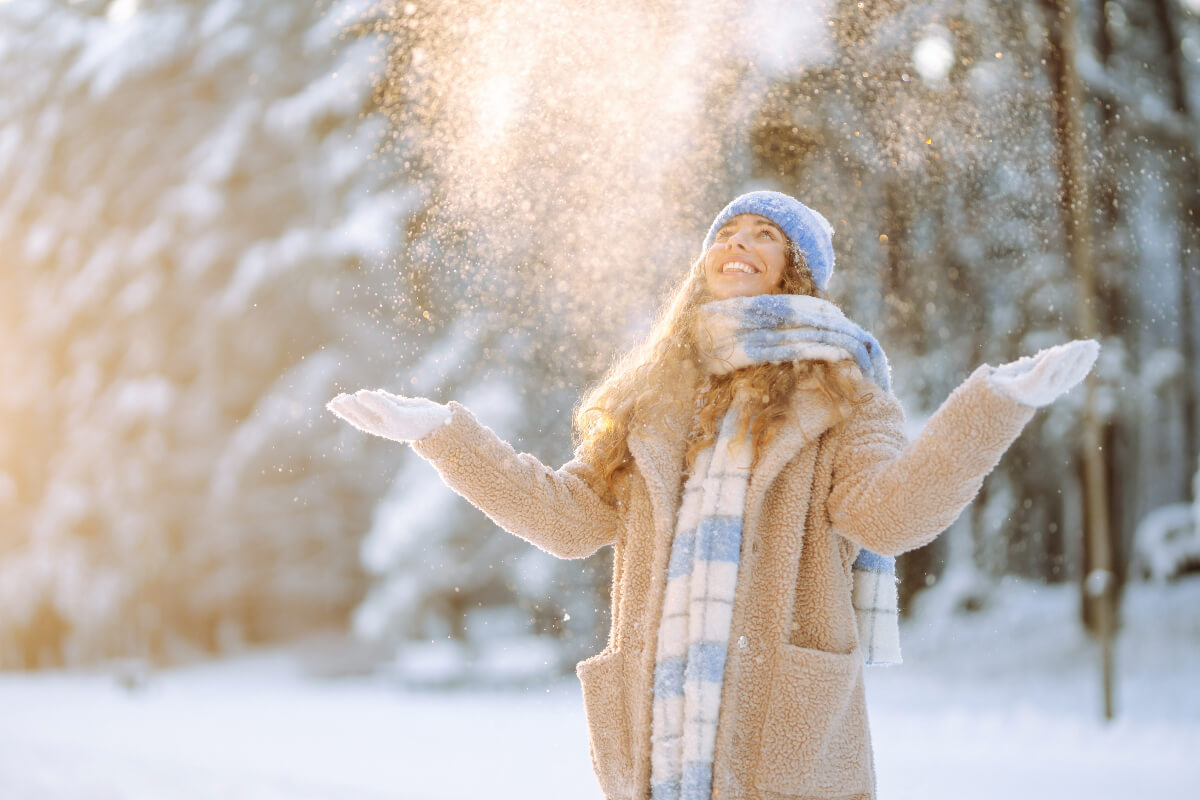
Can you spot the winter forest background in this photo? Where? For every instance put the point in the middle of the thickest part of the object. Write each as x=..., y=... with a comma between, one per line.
x=214, y=216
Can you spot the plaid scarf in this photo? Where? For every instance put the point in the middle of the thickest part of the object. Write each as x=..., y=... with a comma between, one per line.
x=706, y=548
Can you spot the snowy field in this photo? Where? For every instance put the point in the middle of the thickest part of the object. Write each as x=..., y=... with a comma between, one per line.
x=998, y=704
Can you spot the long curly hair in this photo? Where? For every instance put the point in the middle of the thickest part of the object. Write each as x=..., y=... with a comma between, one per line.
x=660, y=379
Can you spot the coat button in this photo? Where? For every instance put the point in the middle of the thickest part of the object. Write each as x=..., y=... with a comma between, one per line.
x=743, y=643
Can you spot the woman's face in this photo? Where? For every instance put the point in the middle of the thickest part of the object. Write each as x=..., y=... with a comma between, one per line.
x=747, y=257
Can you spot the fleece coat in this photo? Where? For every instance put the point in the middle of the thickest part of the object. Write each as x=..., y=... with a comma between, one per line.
x=793, y=721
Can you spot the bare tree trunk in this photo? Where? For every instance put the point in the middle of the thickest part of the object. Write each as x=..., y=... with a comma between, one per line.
x=1166, y=15
x=1099, y=578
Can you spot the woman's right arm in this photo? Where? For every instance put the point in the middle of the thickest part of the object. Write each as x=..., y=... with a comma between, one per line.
x=891, y=496
x=557, y=510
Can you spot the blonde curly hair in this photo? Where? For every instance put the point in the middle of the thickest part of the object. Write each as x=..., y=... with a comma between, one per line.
x=661, y=378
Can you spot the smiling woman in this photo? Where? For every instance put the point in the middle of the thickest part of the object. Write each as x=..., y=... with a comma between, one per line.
x=749, y=466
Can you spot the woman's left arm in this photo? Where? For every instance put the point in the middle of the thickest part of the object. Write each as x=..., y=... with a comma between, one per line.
x=890, y=496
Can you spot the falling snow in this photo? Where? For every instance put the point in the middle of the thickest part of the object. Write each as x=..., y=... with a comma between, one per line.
x=219, y=215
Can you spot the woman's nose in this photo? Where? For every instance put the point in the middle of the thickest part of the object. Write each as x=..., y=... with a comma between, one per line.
x=738, y=240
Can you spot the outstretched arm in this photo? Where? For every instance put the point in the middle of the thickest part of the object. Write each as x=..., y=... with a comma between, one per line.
x=557, y=510
x=891, y=496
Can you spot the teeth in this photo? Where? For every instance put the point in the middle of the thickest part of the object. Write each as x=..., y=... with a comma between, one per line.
x=737, y=266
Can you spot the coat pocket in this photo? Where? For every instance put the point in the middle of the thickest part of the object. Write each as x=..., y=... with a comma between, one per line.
x=604, y=703
x=815, y=741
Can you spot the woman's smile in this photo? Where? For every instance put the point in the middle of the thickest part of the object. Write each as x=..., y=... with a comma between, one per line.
x=737, y=265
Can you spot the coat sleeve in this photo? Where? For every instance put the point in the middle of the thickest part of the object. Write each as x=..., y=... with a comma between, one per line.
x=557, y=510
x=889, y=495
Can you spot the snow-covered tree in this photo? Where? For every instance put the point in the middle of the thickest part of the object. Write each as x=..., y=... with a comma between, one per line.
x=192, y=214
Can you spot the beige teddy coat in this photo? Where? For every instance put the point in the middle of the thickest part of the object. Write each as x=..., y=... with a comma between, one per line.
x=793, y=720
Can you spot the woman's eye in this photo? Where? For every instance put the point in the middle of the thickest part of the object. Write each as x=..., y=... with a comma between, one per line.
x=767, y=233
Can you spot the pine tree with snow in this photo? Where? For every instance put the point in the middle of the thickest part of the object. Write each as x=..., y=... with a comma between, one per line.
x=192, y=218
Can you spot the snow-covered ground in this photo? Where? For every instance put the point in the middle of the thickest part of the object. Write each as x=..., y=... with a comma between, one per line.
x=1001, y=703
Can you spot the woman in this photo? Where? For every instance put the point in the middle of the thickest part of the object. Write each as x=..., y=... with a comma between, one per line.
x=748, y=465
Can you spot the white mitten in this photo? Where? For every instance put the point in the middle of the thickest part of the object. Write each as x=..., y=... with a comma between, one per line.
x=1039, y=379
x=401, y=419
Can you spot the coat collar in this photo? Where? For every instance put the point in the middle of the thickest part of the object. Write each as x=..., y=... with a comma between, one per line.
x=812, y=415
x=659, y=454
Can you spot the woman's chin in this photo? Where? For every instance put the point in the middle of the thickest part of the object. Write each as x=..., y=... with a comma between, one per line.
x=724, y=293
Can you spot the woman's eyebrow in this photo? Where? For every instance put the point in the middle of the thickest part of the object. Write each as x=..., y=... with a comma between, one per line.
x=759, y=222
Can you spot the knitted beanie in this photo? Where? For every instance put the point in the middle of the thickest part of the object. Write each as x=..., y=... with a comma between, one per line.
x=807, y=229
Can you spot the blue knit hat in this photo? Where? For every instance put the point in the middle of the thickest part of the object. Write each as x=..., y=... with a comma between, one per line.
x=807, y=229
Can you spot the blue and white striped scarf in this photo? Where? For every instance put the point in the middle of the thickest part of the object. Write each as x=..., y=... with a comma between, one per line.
x=706, y=548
